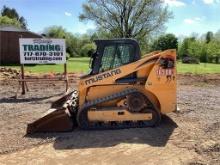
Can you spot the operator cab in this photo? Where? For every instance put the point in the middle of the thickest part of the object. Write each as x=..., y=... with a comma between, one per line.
x=113, y=53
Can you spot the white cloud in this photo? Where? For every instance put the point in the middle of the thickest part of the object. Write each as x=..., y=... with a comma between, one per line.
x=209, y=2
x=174, y=3
x=189, y=21
x=193, y=20
x=67, y=14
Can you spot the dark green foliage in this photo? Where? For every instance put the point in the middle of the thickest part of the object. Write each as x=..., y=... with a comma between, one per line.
x=203, y=55
x=67, y=56
x=213, y=51
x=206, y=50
x=209, y=37
x=9, y=12
x=13, y=14
x=164, y=42
x=185, y=46
x=86, y=49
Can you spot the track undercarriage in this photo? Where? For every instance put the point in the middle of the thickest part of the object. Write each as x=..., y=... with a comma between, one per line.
x=133, y=109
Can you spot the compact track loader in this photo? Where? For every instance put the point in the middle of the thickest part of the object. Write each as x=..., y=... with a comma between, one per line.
x=122, y=90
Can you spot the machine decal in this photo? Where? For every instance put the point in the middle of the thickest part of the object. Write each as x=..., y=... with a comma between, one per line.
x=166, y=68
x=164, y=72
x=102, y=76
x=169, y=73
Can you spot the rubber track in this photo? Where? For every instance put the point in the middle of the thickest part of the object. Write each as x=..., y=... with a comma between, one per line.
x=85, y=124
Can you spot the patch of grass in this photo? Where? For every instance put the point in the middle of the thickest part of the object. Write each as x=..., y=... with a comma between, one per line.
x=73, y=65
x=82, y=65
x=201, y=68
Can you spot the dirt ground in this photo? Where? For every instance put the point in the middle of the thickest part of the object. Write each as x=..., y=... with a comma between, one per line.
x=191, y=136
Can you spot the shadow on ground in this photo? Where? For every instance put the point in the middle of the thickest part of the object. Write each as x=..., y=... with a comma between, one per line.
x=79, y=139
x=29, y=99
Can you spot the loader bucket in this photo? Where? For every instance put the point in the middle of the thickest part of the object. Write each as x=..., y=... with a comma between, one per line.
x=59, y=120
x=61, y=101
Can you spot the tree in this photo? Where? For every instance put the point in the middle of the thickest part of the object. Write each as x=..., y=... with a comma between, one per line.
x=23, y=22
x=4, y=20
x=127, y=18
x=184, y=48
x=168, y=41
x=76, y=45
x=72, y=42
x=60, y=32
x=86, y=49
x=206, y=48
x=204, y=55
x=13, y=14
x=195, y=49
x=209, y=37
x=213, y=51
x=217, y=35
x=55, y=32
x=101, y=34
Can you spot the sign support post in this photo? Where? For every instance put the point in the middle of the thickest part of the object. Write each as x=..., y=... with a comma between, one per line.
x=22, y=77
x=66, y=77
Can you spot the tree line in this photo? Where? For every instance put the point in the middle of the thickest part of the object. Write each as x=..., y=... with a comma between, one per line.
x=205, y=48
x=143, y=20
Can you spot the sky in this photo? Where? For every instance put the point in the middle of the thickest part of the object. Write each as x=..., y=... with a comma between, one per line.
x=189, y=16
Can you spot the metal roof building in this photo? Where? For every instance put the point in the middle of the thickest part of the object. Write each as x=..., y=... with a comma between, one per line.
x=9, y=43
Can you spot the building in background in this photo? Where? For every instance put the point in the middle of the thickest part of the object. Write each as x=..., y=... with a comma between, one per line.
x=9, y=43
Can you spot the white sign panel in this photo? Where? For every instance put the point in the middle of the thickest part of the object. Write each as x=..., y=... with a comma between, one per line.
x=42, y=51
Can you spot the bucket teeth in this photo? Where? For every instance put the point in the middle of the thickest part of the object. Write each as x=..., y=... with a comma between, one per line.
x=61, y=101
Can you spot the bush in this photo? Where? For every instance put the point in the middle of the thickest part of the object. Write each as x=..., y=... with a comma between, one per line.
x=190, y=60
x=164, y=42
x=67, y=56
x=86, y=49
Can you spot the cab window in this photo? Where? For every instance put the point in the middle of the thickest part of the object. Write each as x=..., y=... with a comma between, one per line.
x=116, y=55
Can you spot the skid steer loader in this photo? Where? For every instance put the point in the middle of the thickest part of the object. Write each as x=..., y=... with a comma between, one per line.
x=122, y=90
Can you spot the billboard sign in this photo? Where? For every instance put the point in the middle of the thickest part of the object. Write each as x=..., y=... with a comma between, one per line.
x=42, y=51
